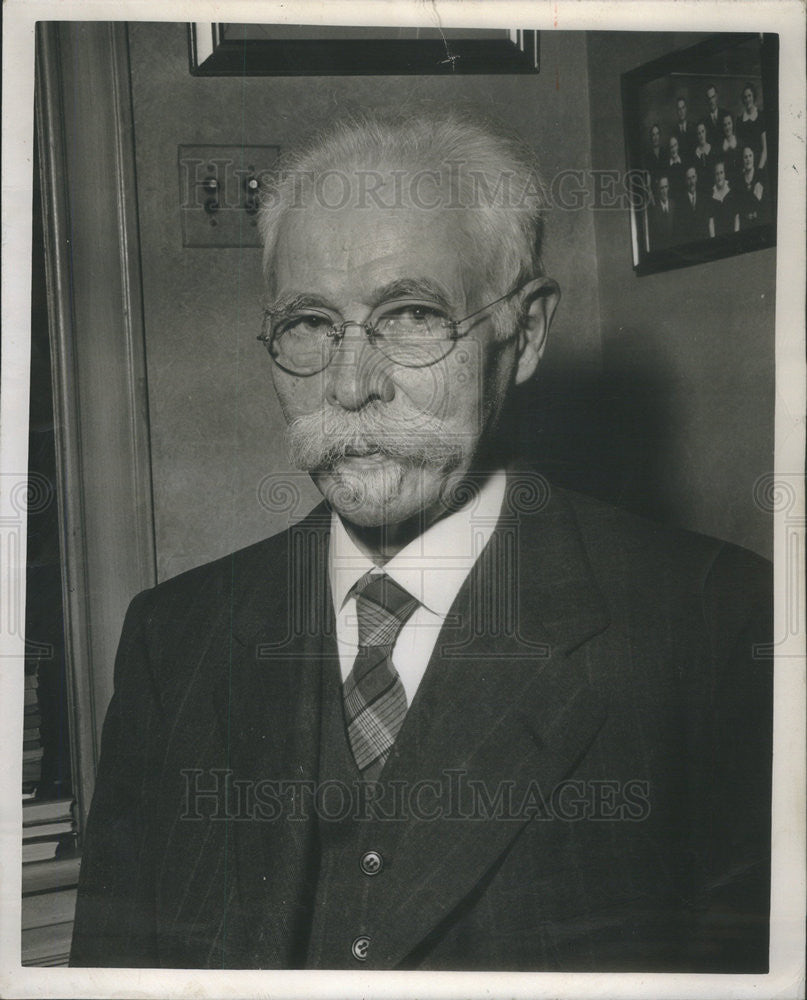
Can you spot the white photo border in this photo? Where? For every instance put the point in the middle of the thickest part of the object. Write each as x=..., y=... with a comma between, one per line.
x=786, y=978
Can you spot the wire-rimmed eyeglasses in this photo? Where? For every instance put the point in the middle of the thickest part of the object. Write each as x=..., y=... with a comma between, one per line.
x=411, y=332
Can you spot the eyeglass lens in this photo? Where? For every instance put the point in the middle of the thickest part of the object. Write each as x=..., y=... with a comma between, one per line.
x=413, y=335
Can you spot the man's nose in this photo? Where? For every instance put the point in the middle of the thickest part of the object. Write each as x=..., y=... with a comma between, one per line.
x=358, y=374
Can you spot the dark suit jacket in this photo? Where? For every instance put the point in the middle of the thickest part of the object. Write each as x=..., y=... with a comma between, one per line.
x=705, y=167
x=724, y=212
x=655, y=160
x=693, y=220
x=687, y=140
x=663, y=225
x=596, y=680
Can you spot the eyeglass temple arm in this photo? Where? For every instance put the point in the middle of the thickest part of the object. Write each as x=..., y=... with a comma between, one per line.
x=487, y=306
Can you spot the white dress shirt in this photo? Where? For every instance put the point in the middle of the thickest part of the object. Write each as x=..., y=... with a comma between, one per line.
x=432, y=568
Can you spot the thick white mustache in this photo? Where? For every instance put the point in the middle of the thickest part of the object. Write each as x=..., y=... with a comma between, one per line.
x=323, y=439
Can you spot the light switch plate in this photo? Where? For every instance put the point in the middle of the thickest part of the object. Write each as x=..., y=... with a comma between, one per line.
x=214, y=196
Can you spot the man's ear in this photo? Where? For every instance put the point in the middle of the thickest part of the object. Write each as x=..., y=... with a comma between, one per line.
x=540, y=298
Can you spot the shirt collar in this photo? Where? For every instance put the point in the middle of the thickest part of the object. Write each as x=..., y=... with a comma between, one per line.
x=433, y=566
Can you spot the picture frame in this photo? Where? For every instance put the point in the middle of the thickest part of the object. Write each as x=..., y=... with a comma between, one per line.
x=230, y=49
x=672, y=129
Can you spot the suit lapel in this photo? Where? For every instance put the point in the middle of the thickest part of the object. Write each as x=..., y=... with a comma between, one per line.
x=502, y=715
x=268, y=706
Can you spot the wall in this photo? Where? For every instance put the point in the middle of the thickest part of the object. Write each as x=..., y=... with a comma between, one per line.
x=687, y=388
x=215, y=425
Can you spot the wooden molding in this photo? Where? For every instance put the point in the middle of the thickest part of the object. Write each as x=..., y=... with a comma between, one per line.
x=85, y=133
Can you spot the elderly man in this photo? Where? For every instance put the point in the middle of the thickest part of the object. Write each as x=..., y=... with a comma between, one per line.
x=455, y=718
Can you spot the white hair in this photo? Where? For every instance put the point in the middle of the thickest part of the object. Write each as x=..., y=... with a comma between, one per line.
x=470, y=163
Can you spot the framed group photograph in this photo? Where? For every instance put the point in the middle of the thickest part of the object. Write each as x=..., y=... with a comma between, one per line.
x=701, y=134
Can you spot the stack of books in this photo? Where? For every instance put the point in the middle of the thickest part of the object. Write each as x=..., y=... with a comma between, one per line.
x=48, y=906
x=49, y=878
x=32, y=751
x=48, y=830
x=47, y=926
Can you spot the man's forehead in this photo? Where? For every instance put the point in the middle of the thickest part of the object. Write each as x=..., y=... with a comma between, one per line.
x=357, y=250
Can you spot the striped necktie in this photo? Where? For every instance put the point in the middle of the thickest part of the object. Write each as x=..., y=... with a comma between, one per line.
x=374, y=697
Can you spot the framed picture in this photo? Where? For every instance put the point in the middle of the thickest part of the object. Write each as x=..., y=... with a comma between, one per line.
x=701, y=132
x=331, y=50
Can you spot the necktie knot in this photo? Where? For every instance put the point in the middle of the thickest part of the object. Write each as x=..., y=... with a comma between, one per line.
x=382, y=608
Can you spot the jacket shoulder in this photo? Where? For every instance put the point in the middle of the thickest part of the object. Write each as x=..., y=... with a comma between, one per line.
x=227, y=578
x=654, y=562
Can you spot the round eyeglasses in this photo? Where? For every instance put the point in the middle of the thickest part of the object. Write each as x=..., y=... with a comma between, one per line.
x=414, y=333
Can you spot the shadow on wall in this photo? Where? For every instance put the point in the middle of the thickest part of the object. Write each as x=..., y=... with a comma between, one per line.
x=602, y=433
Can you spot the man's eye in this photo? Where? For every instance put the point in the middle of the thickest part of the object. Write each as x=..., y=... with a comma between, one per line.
x=305, y=323
x=415, y=317
x=421, y=314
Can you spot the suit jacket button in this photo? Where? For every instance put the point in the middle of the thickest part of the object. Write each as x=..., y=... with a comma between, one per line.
x=371, y=863
x=359, y=948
